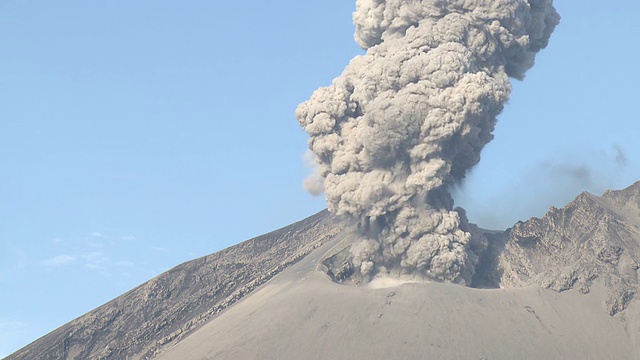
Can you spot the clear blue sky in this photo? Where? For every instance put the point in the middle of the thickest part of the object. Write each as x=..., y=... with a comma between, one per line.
x=135, y=135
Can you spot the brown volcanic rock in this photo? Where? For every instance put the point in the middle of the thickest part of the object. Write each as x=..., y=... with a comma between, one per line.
x=163, y=310
x=590, y=238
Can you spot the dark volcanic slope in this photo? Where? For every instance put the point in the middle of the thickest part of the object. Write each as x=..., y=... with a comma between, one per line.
x=163, y=310
x=590, y=238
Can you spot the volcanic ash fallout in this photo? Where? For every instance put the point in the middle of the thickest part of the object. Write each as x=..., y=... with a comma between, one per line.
x=406, y=120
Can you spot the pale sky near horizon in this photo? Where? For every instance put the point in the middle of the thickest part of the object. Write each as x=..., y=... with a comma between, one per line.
x=138, y=135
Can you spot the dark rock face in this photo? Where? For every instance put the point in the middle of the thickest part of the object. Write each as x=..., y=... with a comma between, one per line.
x=160, y=312
x=590, y=238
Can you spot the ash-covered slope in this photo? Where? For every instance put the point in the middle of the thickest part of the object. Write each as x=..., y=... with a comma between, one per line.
x=561, y=286
x=590, y=238
x=163, y=310
x=582, y=255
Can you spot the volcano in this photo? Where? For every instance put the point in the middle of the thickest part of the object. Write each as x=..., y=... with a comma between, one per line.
x=560, y=286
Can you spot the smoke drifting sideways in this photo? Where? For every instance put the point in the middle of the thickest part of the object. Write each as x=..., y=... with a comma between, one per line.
x=407, y=119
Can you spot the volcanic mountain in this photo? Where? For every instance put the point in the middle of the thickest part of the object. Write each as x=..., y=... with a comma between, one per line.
x=560, y=286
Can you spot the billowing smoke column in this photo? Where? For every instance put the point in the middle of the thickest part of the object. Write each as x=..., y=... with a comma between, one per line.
x=406, y=120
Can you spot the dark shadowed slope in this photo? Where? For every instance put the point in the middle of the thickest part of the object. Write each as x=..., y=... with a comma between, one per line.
x=165, y=309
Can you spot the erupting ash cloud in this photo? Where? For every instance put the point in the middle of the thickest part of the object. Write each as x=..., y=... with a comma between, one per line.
x=408, y=119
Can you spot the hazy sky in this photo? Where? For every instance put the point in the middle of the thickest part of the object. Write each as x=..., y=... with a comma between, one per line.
x=138, y=135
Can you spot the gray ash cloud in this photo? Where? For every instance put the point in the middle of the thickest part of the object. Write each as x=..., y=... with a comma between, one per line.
x=407, y=119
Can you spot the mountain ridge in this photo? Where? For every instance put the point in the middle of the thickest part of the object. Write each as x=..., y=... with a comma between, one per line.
x=588, y=246
x=591, y=237
x=161, y=311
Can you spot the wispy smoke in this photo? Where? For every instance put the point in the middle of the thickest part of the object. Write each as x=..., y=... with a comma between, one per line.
x=621, y=156
x=578, y=174
x=552, y=182
x=314, y=183
x=406, y=120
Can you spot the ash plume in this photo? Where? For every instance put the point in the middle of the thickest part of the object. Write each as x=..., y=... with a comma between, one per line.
x=407, y=119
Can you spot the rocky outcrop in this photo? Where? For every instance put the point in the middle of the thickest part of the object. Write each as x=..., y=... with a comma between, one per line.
x=160, y=312
x=592, y=238
x=569, y=248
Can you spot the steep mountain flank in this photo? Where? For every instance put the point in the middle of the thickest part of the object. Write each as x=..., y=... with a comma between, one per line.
x=163, y=310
